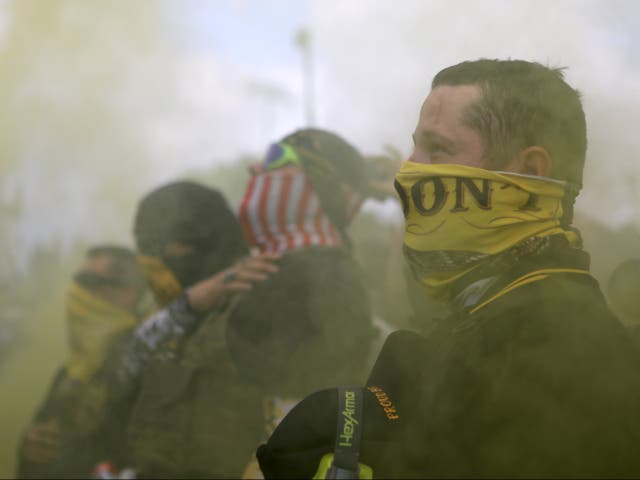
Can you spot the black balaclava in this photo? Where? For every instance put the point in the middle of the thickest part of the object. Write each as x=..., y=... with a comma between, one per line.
x=195, y=215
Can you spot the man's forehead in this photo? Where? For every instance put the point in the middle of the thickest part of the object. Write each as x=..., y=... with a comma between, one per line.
x=449, y=99
x=100, y=263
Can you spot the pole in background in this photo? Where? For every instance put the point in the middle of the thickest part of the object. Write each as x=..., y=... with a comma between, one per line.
x=303, y=42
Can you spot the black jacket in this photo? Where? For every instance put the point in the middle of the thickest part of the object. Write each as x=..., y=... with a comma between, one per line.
x=542, y=381
x=307, y=327
x=194, y=417
x=86, y=435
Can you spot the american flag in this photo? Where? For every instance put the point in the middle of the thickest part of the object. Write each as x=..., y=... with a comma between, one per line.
x=281, y=212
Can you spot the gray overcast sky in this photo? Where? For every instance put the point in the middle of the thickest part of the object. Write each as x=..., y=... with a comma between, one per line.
x=228, y=81
x=374, y=60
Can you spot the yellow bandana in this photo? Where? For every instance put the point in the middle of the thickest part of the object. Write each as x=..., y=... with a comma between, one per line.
x=457, y=216
x=93, y=325
x=163, y=282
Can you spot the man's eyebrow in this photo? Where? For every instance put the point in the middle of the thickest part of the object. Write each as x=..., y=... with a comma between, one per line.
x=431, y=136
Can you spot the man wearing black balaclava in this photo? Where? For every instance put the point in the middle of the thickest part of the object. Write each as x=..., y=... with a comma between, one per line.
x=192, y=415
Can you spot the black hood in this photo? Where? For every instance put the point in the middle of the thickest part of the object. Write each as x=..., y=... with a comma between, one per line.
x=195, y=215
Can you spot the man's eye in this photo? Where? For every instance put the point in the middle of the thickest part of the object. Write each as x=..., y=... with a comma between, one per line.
x=437, y=148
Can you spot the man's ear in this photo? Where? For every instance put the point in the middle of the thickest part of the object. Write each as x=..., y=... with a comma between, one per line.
x=532, y=161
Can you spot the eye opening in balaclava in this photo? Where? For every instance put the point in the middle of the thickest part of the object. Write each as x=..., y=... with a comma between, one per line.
x=196, y=216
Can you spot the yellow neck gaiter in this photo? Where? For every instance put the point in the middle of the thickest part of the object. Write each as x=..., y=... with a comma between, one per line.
x=161, y=280
x=456, y=216
x=93, y=324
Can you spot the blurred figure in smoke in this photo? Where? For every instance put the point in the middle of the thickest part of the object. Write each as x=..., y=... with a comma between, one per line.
x=531, y=375
x=192, y=416
x=624, y=294
x=103, y=306
x=309, y=326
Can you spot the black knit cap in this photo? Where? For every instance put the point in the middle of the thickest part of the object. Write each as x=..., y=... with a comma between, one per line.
x=189, y=213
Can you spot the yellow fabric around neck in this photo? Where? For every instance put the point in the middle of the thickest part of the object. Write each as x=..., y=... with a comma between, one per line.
x=163, y=282
x=464, y=214
x=93, y=324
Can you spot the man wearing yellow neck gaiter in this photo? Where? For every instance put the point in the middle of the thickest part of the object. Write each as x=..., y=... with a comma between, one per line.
x=105, y=301
x=531, y=375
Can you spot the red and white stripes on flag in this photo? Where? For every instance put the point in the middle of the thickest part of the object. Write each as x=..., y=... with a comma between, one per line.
x=281, y=212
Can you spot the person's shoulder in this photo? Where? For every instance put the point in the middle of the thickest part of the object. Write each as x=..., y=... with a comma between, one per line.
x=57, y=384
x=565, y=313
x=546, y=311
x=548, y=291
x=574, y=299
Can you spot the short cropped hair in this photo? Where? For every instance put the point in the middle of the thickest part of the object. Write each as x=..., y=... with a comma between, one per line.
x=123, y=270
x=523, y=104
